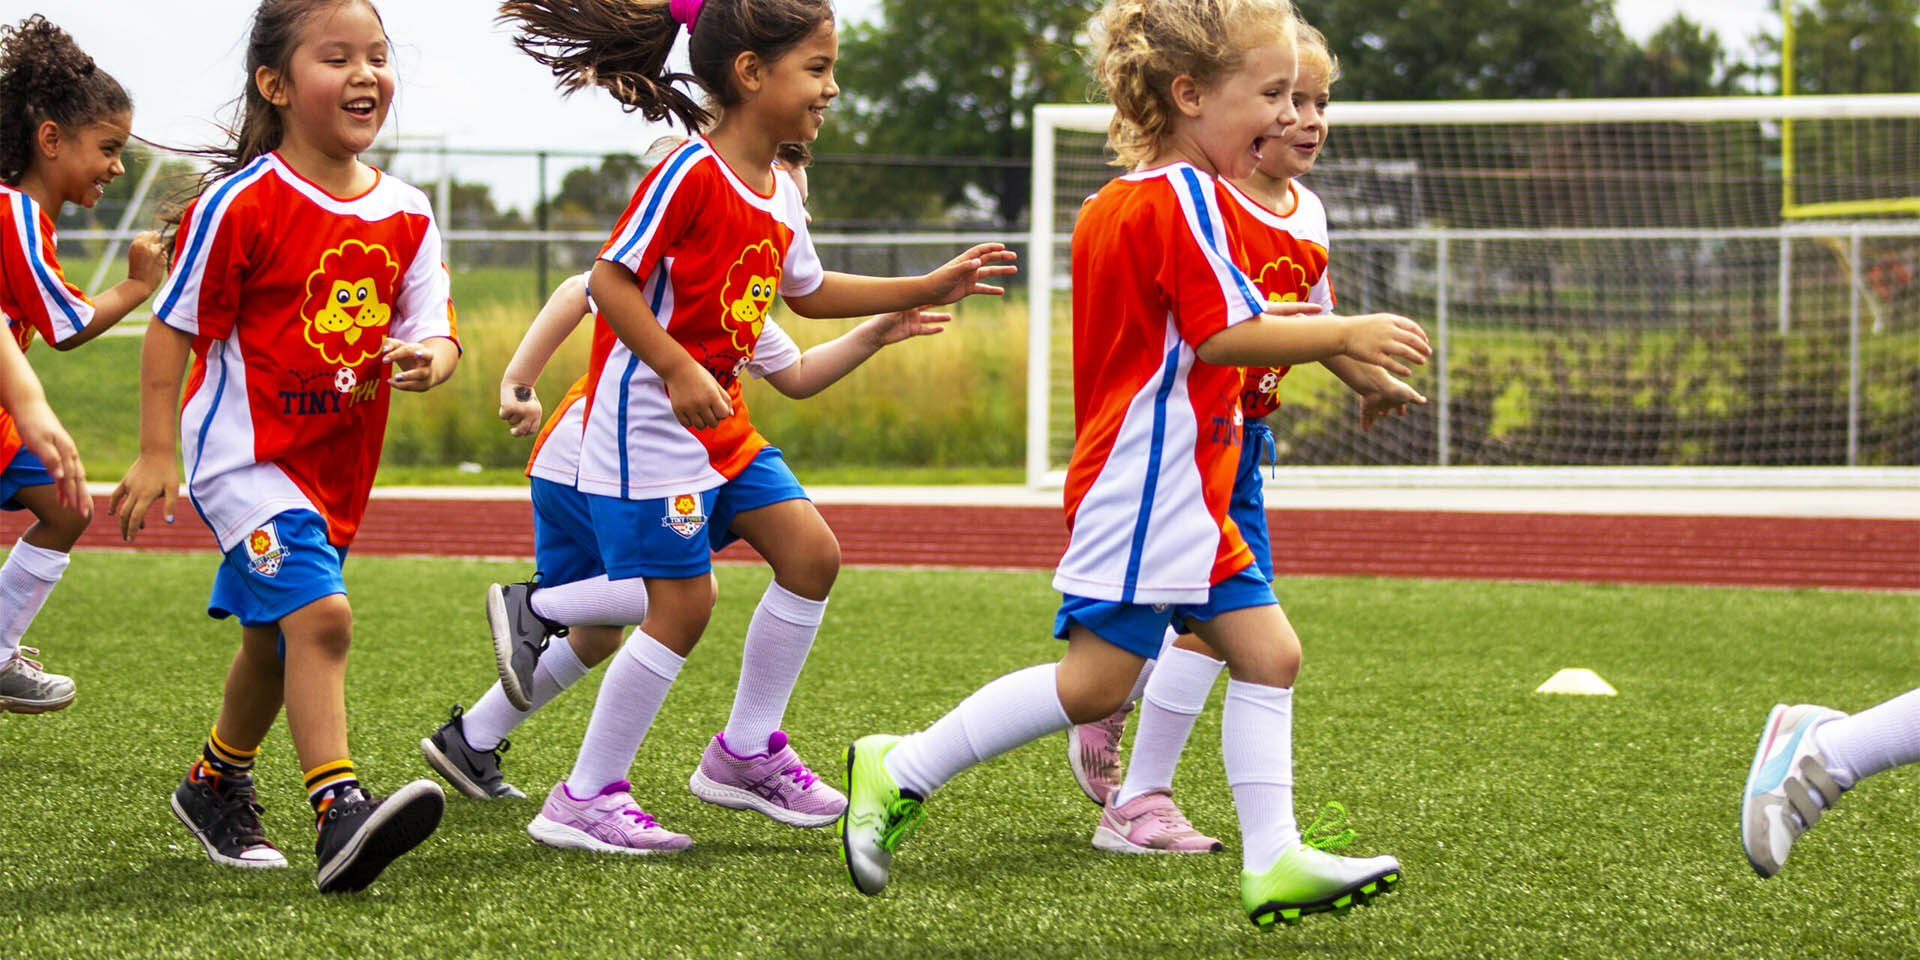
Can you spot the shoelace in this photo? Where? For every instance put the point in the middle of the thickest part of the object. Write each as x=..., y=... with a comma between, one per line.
x=641, y=817
x=20, y=654
x=240, y=811
x=903, y=815
x=1329, y=831
x=800, y=775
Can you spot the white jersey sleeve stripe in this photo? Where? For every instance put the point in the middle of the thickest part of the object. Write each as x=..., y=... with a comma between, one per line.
x=58, y=299
x=1210, y=229
x=187, y=274
x=640, y=228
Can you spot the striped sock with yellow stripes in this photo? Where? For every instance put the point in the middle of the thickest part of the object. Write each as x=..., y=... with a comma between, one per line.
x=220, y=759
x=329, y=782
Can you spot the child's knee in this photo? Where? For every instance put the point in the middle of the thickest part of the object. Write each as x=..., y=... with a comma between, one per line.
x=1086, y=701
x=812, y=570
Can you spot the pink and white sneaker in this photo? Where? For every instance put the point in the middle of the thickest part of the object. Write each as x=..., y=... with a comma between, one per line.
x=609, y=822
x=775, y=783
x=1093, y=750
x=1149, y=823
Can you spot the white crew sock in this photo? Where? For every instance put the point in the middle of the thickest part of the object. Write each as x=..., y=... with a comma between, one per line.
x=1174, y=699
x=1875, y=739
x=25, y=580
x=595, y=600
x=778, y=639
x=1016, y=709
x=493, y=717
x=635, y=686
x=1256, y=736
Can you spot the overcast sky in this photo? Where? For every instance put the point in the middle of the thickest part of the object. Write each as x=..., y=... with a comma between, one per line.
x=461, y=79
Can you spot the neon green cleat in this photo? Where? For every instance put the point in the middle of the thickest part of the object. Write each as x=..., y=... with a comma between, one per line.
x=879, y=814
x=1308, y=880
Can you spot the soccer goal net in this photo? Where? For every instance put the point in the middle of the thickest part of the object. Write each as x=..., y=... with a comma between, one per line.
x=1705, y=282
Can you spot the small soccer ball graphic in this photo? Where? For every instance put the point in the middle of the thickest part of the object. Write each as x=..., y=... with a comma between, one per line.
x=1269, y=381
x=344, y=380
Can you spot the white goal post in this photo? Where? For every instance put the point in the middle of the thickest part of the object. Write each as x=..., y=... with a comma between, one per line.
x=1703, y=282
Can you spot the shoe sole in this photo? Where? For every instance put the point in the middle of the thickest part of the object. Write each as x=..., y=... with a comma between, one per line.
x=449, y=771
x=563, y=837
x=734, y=798
x=1272, y=911
x=1112, y=842
x=503, y=649
x=215, y=855
x=36, y=706
x=1080, y=770
x=407, y=817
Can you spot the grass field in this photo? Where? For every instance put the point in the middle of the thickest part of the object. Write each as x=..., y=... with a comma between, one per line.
x=1529, y=826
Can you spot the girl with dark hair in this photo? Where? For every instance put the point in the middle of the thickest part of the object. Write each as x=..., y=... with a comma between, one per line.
x=307, y=286
x=63, y=123
x=671, y=467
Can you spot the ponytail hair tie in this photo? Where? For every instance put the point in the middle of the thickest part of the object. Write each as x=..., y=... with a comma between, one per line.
x=685, y=11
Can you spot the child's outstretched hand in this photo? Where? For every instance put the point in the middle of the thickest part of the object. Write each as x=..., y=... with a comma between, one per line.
x=417, y=367
x=961, y=277
x=150, y=478
x=520, y=408
x=41, y=432
x=1390, y=397
x=147, y=259
x=1385, y=339
x=891, y=328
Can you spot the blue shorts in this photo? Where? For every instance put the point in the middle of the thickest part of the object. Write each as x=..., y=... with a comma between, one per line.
x=24, y=470
x=676, y=537
x=1248, y=508
x=1142, y=628
x=282, y=566
x=564, y=547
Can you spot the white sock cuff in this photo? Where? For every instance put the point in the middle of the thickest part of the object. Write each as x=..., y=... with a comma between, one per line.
x=39, y=563
x=1166, y=643
x=1256, y=732
x=562, y=663
x=1182, y=681
x=791, y=607
x=649, y=653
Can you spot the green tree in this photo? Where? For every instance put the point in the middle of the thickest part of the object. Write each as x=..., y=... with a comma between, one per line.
x=948, y=80
x=594, y=197
x=1474, y=49
x=1681, y=59
x=1852, y=46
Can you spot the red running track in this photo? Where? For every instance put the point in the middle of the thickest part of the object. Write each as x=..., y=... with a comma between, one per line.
x=1875, y=554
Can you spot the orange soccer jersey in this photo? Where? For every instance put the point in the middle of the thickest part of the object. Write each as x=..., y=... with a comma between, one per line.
x=35, y=296
x=289, y=292
x=1286, y=256
x=1158, y=430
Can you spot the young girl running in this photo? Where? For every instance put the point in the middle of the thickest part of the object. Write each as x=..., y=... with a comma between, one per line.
x=63, y=123
x=1283, y=229
x=1162, y=320
x=307, y=285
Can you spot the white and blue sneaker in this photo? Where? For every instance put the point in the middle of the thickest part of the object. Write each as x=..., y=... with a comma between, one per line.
x=1787, y=787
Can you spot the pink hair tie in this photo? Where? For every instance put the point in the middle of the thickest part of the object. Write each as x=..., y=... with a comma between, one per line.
x=685, y=11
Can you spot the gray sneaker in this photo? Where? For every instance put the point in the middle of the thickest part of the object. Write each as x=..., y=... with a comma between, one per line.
x=25, y=688
x=475, y=773
x=519, y=637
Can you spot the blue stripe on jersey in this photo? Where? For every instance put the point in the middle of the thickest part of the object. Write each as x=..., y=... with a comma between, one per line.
x=1200, y=207
x=626, y=378
x=674, y=164
x=203, y=214
x=1153, y=474
x=200, y=448
x=30, y=213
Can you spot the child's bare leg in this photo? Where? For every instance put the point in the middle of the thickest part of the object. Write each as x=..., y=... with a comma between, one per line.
x=253, y=692
x=318, y=635
x=36, y=563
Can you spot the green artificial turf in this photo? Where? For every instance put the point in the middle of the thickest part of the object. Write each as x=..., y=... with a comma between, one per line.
x=1528, y=825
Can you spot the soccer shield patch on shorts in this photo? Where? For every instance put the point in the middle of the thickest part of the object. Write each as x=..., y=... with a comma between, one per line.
x=684, y=516
x=264, y=552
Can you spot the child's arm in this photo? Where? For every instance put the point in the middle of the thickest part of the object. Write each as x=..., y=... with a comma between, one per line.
x=146, y=270
x=40, y=431
x=419, y=367
x=823, y=365
x=1380, y=392
x=156, y=474
x=1290, y=334
x=851, y=295
x=698, y=401
x=519, y=404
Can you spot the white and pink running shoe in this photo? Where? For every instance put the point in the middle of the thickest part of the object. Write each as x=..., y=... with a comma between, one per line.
x=608, y=822
x=1093, y=751
x=1149, y=823
x=774, y=783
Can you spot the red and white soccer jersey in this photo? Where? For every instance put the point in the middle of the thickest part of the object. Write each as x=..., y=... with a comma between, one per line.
x=709, y=254
x=35, y=296
x=1287, y=258
x=289, y=292
x=1158, y=430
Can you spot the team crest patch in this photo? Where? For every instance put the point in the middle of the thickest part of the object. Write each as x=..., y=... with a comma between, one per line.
x=264, y=552
x=684, y=516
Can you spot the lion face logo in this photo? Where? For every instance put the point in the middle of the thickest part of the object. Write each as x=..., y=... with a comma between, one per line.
x=748, y=293
x=347, y=307
x=1283, y=281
